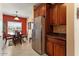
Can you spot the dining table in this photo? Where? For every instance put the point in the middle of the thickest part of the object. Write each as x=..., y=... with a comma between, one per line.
x=15, y=38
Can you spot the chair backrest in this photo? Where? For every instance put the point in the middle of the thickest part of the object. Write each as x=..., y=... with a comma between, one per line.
x=4, y=36
x=17, y=34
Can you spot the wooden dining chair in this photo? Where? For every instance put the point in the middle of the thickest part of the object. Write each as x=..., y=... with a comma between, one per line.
x=6, y=37
x=16, y=38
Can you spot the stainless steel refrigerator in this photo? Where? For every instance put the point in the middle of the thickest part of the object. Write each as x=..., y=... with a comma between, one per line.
x=38, y=35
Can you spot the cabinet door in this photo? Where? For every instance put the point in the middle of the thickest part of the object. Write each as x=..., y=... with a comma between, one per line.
x=41, y=10
x=59, y=50
x=58, y=14
x=55, y=15
x=51, y=16
x=49, y=48
x=62, y=14
x=35, y=13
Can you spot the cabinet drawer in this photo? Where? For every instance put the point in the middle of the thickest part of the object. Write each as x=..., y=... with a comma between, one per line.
x=58, y=41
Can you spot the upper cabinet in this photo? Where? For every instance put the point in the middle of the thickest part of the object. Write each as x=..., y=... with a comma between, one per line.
x=43, y=10
x=54, y=15
x=58, y=14
x=35, y=13
x=62, y=14
x=40, y=10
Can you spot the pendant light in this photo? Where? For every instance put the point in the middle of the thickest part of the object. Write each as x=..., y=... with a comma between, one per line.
x=16, y=17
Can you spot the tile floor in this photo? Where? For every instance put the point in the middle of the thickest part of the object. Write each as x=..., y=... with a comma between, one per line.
x=20, y=50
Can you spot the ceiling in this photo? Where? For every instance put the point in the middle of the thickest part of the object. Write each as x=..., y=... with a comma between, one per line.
x=24, y=9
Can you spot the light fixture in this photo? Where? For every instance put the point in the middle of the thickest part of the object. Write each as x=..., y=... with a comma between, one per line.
x=16, y=17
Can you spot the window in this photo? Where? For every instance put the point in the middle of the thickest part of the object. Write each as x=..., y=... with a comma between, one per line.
x=12, y=26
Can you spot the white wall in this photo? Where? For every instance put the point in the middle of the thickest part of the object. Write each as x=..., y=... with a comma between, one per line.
x=1, y=29
x=76, y=31
x=70, y=29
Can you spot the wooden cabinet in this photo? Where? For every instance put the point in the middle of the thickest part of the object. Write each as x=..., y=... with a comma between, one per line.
x=36, y=13
x=62, y=14
x=40, y=10
x=49, y=47
x=54, y=15
x=58, y=14
x=55, y=47
x=59, y=50
x=43, y=10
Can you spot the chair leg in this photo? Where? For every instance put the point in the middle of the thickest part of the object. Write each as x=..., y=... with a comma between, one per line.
x=14, y=42
x=5, y=42
x=20, y=40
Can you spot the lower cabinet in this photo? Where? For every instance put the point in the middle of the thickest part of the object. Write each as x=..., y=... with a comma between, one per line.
x=50, y=48
x=55, y=47
x=59, y=50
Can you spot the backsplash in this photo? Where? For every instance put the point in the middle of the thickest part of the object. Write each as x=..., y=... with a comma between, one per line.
x=59, y=29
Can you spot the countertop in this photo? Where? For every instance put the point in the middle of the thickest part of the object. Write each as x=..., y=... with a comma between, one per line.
x=61, y=36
